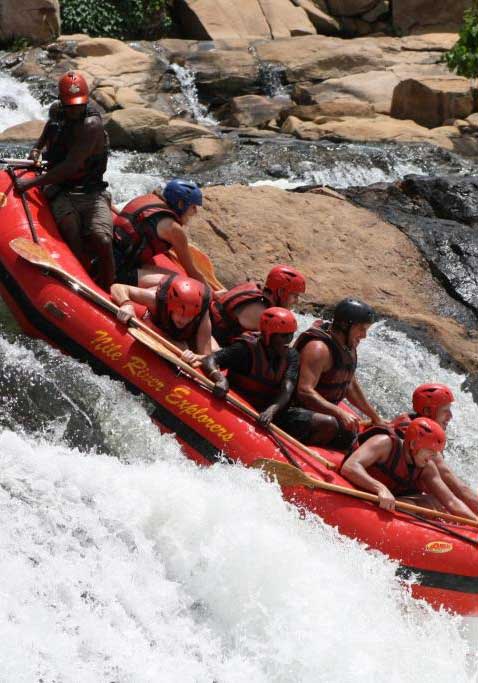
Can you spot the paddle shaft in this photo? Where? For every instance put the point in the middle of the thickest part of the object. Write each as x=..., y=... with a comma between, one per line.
x=26, y=208
x=400, y=505
x=445, y=529
x=23, y=163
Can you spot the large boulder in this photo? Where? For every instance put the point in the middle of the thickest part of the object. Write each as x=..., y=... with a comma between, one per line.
x=250, y=19
x=419, y=16
x=180, y=133
x=432, y=101
x=254, y=110
x=343, y=250
x=225, y=72
x=134, y=128
x=323, y=22
x=37, y=20
x=316, y=58
x=22, y=132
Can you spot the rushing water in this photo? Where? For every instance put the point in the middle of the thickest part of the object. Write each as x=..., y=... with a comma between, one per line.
x=121, y=561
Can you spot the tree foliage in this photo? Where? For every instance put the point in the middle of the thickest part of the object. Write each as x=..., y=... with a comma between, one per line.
x=463, y=57
x=126, y=19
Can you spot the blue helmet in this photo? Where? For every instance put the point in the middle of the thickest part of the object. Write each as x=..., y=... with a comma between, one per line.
x=185, y=190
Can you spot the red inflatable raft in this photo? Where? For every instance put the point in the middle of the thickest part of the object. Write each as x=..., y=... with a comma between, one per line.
x=442, y=567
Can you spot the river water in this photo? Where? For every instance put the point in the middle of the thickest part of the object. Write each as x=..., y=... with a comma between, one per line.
x=121, y=561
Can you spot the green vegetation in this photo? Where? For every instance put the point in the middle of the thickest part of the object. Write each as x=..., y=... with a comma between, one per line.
x=126, y=19
x=463, y=57
x=15, y=44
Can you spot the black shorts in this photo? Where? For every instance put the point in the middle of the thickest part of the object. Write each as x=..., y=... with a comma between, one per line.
x=123, y=275
x=297, y=422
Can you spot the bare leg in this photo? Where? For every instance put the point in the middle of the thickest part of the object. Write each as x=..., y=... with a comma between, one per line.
x=102, y=246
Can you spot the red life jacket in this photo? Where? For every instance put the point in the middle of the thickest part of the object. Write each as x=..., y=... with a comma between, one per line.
x=137, y=238
x=399, y=476
x=59, y=139
x=401, y=423
x=263, y=382
x=334, y=383
x=223, y=310
x=161, y=316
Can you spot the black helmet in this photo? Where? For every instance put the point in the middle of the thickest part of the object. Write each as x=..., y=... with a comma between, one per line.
x=350, y=312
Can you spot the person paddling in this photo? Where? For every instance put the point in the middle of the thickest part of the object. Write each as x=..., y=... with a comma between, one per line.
x=392, y=468
x=262, y=366
x=153, y=224
x=77, y=150
x=239, y=309
x=179, y=306
x=328, y=360
x=435, y=401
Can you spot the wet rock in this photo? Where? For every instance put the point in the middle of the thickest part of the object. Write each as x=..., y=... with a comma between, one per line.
x=36, y=20
x=211, y=148
x=431, y=101
x=419, y=16
x=253, y=110
x=225, y=73
x=179, y=132
x=440, y=216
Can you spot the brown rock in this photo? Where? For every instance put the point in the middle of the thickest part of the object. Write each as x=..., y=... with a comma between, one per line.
x=37, y=20
x=105, y=96
x=322, y=21
x=419, y=16
x=129, y=97
x=222, y=19
x=333, y=107
x=179, y=132
x=314, y=58
x=225, y=72
x=350, y=8
x=342, y=250
x=29, y=130
x=430, y=101
x=285, y=19
x=376, y=12
x=473, y=121
x=134, y=128
x=211, y=148
x=254, y=110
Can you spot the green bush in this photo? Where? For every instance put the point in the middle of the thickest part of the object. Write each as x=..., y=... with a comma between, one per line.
x=463, y=57
x=126, y=19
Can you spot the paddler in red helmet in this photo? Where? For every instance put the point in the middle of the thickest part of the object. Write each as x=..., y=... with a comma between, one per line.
x=178, y=306
x=239, y=309
x=434, y=401
x=153, y=224
x=262, y=366
x=77, y=150
x=394, y=468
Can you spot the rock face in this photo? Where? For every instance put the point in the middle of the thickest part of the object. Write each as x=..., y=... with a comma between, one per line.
x=420, y=16
x=432, y=101
x=246, y=230
x=440, y=216
x=37, y=20
x=250, y=19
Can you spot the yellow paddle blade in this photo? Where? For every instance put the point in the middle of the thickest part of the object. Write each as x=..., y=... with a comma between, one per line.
x=203, y=264
x=286, y=474
x=34, y=253
x=156, y=346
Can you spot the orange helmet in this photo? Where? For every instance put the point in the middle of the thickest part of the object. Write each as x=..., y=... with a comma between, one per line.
x=186, y=296
x=425, y=433
x=431, y=396
x=287, y=278
x=277, y=320
x=73, y=89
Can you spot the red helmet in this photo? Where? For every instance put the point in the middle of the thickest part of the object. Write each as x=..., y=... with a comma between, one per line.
x=186, y=296
x=431, y=396
x=73, y=89
x=287, y=278
x=425, y=433
x=277, y=320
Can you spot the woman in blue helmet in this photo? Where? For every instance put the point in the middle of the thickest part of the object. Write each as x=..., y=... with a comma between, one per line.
x=153, y=224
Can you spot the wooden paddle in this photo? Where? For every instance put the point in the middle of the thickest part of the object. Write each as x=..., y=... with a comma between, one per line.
x=203, y=263
x=36, y=254
x=287, y=475
x=170, y=352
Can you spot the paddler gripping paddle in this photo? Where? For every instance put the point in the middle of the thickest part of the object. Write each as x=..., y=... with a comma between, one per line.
x=291, y=476
x=37, y=255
